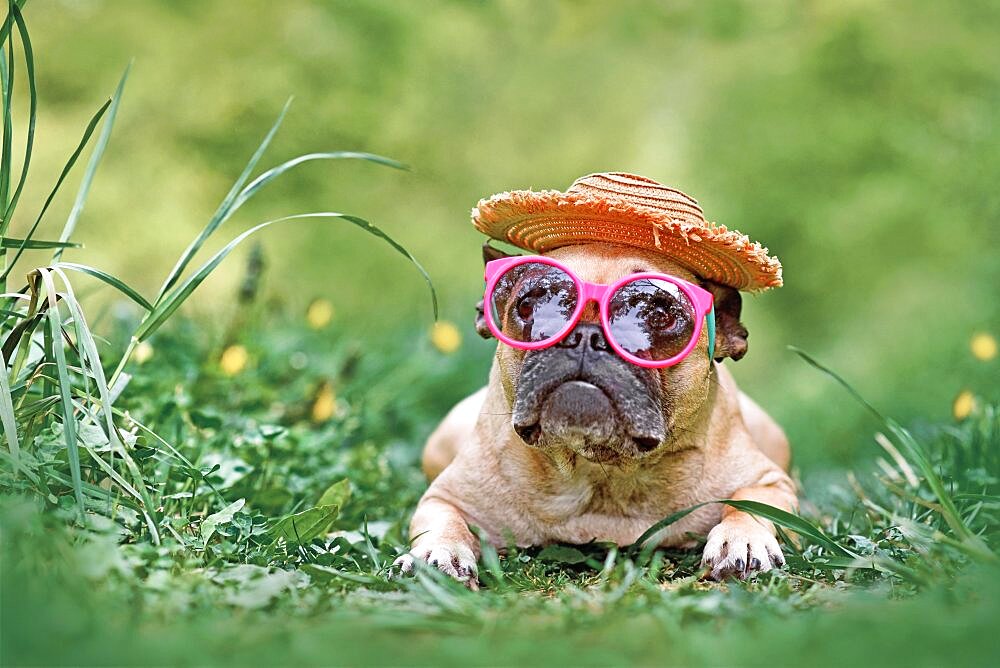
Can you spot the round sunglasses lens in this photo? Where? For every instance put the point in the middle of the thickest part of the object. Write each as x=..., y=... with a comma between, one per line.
x=533, y=301
x=651, y=318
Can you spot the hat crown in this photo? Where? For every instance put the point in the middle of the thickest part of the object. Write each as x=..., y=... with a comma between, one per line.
x=629, y=210
x=634, y=190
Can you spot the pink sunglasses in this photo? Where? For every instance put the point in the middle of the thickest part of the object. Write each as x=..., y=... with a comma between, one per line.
x=651, y=320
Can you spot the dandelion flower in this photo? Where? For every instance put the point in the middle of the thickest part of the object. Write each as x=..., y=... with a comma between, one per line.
x=234, y=359
x=446, y=337
x=325, y=403
x=964, y=404
x=319, y=314
x=984, y=347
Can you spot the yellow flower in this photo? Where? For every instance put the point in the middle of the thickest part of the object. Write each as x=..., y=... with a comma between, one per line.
x=234, y=359
x=325, y=403
x=984, y=347
x=319, y=314
x=143, y=352
x=964, y=404
x=446, y=337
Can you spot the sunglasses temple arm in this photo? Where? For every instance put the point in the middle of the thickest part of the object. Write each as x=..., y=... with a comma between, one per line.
x=710, y=321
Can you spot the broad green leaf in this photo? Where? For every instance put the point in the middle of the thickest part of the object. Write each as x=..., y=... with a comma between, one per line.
x=302, y=527
x=260, y=589
x=329, y=573
x=224, y=516
x=336, y=494
x=562, y=554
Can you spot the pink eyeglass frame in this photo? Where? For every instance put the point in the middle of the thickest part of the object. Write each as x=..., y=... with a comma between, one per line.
x=700, y=298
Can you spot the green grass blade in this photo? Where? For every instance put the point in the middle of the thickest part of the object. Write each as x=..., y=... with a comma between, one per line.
x=29, y=66
x=915, y=453
x=7, y=85
x=985, y=498
x=225, y=209
x=36, y=244
x=271, y=174
x=113, y=281
x=663, y=524
x=792, y=522
x=95, y=160
x=143, y=502
x=91, y=126
x=948, y=509
x=90, y=358
x=780, y=517
x=5, y=27
x=172, y=302
x=69, y=420
x=7, y=412
x=843, y=383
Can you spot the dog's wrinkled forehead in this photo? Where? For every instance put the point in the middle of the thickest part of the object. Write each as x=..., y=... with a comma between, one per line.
x=607, y=263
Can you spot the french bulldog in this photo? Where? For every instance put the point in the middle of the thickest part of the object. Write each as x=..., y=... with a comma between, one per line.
x=573, y=444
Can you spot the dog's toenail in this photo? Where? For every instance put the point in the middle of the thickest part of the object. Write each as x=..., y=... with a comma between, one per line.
x=754, y=564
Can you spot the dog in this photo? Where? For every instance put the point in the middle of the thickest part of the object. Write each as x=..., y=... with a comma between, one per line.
x=573, y=444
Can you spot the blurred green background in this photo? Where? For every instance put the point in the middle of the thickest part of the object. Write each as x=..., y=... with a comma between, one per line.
x=857, y=140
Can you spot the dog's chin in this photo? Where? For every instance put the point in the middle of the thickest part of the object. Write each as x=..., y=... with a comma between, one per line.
x=579, y=417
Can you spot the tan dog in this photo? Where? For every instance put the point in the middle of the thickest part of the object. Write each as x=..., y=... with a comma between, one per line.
x=515, y=462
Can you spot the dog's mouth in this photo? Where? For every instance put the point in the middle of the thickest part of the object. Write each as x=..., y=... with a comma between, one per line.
x=581, y=416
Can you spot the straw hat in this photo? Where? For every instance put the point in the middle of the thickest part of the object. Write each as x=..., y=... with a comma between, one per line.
x=632, y=210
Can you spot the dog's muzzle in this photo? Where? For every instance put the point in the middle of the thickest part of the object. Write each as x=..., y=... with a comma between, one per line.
x=580, y=394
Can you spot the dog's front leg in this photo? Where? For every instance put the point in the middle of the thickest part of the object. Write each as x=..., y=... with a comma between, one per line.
x=441, y=537
x=741, y=544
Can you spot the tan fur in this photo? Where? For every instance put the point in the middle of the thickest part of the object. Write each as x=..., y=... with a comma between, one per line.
x=721, y=445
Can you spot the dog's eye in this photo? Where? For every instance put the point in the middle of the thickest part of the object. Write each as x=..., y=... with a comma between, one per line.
x=529, y=302
x=661, y=319
x=526, y=307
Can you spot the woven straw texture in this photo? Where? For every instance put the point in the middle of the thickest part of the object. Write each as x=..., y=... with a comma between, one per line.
x=631, y=210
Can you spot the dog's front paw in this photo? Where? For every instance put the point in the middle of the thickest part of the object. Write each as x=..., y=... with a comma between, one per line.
x=740, y=547
x=454, y=559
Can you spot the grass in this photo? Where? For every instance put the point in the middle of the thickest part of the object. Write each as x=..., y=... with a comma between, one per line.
x=52, y=373
x=177, y=492
x=243, y=592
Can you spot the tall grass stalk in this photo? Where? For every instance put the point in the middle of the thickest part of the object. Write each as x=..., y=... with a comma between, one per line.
x=51, y=361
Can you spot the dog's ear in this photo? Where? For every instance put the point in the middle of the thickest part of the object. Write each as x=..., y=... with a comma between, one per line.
x=730, y=334
x=489, y=254
x=481, y=327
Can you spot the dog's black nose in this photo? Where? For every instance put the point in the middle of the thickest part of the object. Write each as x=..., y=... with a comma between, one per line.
x=572, y=340
x=590, y=333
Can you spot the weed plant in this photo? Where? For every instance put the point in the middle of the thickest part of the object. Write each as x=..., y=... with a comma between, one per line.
x=195, y=499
